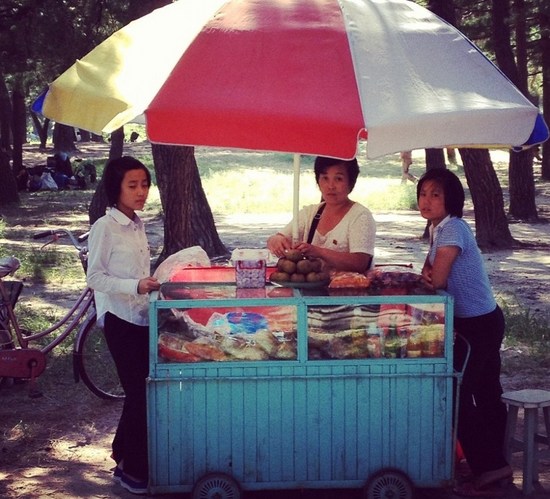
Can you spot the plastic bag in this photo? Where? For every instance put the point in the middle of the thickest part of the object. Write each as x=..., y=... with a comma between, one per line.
x=48, y=183
x=194, y=256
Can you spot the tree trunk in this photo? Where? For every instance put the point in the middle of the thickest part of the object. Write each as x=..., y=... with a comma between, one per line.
x=521, y=43
x=490, y=218
x=520, y=175
x=435, y=158
x=444, y=9
x=492, y=231
x=63, y=138
x=188, y=220
x=19, y=128
x=522, y=186
x=117, y=143
x=41, y=129
x=8, y=186
x=500, y=16
x=98, y=204
x=5, y=116
x=85, y=136
x=545, y=61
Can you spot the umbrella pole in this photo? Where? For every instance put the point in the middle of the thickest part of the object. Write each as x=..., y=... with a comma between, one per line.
x=295, y=199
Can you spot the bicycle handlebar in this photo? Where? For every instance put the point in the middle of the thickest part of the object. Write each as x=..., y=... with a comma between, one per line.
x=57, y=233
x=43, y=234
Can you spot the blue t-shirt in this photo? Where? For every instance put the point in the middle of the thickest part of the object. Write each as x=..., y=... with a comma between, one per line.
x=468, y=281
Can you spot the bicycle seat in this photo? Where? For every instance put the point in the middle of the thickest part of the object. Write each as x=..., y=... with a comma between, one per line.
x=8, y=265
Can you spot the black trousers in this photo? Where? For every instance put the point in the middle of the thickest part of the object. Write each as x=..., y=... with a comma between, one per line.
x=129, y=346
x=481, y=413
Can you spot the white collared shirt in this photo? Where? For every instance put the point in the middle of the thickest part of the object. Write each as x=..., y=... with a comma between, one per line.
x=118, y=258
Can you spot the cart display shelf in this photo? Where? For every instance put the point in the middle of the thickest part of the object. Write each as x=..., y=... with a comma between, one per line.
x=298, y=389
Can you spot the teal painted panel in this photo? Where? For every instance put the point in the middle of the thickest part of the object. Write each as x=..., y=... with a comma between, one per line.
x=333, y=427
x=327, y=423
x=262, y=430
x=276, y=429
x=250, y=430
x=301, y=450
x=289, y=426
x=327, y=443
x=186, y=454
x=238, y=426
x=226, y=420
x=200, y=426
x=338, y=397
x=316, y=402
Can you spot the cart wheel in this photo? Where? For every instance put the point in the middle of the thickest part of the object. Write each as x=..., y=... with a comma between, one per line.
x=388, y=483
x=216, y=486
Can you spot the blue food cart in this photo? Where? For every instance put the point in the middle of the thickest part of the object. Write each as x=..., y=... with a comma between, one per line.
x=299, y=387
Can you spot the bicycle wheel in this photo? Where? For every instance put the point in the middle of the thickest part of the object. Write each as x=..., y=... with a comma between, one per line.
x=94, y=364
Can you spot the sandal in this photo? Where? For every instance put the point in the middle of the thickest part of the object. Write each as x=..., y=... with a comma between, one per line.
x=468, y=489
x=463, y=473
x=501, y=475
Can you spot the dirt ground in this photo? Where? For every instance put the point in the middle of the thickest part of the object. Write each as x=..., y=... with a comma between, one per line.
x=58, y=445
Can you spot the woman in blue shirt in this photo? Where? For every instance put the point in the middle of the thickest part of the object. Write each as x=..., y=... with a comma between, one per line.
x=454, y=263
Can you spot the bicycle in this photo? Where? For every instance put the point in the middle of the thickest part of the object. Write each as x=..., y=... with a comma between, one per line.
x=92, y=362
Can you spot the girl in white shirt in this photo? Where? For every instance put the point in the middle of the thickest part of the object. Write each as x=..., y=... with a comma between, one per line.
x=119, y=274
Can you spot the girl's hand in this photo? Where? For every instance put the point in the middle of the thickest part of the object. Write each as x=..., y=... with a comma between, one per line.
x=147, y=285
x=427, y=275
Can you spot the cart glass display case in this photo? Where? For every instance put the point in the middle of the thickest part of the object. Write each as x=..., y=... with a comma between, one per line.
x=283, y=387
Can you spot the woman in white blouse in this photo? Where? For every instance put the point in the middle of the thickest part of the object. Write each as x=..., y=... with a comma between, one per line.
x=344, y=236
x=119, y=274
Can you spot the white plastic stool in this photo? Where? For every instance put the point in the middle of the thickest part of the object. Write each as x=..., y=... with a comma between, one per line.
x=530, y=401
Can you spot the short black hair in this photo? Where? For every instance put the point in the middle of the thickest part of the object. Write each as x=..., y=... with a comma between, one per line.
x=452, y=189
x=322, y=163
x=114, y=174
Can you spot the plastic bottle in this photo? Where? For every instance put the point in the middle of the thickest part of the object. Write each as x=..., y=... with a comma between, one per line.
x=375, y=346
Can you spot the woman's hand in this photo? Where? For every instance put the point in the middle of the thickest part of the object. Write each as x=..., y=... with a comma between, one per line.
x=337, y=260
x=147, y=285
x=309, y=250
x=278, y=244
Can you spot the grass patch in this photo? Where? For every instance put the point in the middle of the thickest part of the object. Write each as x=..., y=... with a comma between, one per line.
x=525, y=327
x=51, y=265
x=257, y=182
x=34, y=319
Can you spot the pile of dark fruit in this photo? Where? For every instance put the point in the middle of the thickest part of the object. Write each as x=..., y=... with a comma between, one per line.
x=295, y=267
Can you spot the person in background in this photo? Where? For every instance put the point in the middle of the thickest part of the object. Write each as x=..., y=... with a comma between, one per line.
x=406, y=162
x=61, y=169
x=344, y=236
x=454, y=264
x=119, y=274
